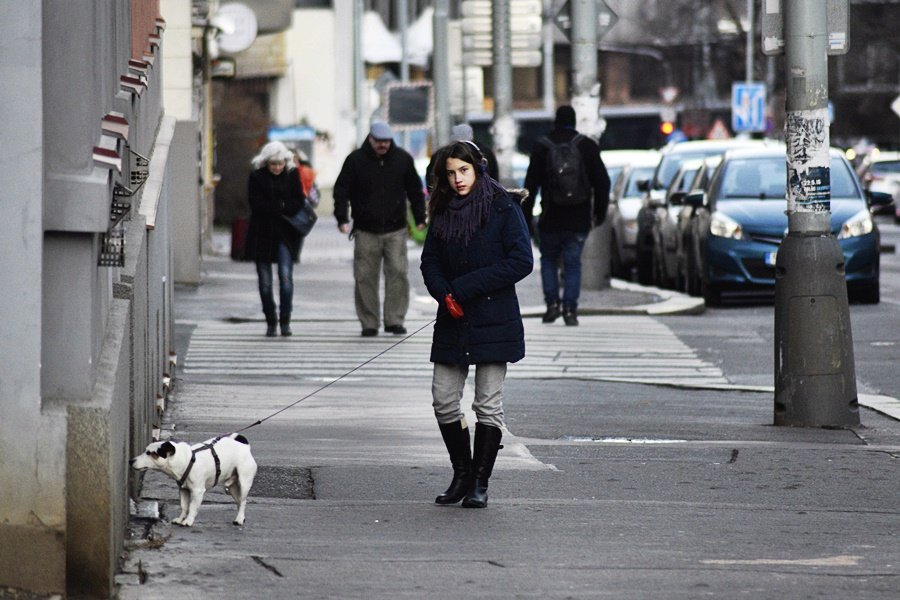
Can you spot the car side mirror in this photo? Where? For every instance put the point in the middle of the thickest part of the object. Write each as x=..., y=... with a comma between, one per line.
x=878, y=198
x=677, y=198
x=643, y=185
x=695, y=199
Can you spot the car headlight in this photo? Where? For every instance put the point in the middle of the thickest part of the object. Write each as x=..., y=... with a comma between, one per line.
x=857, y=225
x=724, y=226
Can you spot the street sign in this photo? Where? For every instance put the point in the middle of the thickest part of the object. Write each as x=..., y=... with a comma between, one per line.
x=748, y=107
x=518, y=58
x=525, y=25
x=606, y=18
x=838, y=17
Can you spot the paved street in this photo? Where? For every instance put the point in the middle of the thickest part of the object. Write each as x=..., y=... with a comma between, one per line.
x=637, y=464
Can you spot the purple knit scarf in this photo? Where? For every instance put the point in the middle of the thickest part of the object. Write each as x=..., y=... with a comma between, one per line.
x=465, y=215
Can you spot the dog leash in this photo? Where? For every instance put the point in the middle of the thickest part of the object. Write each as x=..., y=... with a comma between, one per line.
x=333, y=381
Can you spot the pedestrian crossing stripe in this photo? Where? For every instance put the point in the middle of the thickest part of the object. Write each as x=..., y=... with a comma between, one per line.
x=611, y=348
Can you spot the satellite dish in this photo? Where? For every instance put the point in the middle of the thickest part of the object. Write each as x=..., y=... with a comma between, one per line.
x=237, y=24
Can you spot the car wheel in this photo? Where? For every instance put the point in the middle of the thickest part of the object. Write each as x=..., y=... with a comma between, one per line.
x=869, y=294
x=692, y=286
x=645, y=268
x=615, y=260
x=711, y=293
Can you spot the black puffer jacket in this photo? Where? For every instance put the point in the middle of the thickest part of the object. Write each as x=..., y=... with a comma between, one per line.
x=482, y=277
x=577, y=218
x=270, y=197
x=376, y=189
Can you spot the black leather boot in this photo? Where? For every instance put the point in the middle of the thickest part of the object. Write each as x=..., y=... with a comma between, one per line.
x=286, y=324
x=271, y=324
x=487, y=443
x=552, y=313
x=456, y=438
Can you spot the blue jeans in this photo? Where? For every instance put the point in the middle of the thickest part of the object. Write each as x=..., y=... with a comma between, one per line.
x=565, y=245
x=285, y=283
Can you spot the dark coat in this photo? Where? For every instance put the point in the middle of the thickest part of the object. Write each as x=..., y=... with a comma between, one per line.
x=578, y=218
x=482, y=277
x=271, y=197
x=376, y=190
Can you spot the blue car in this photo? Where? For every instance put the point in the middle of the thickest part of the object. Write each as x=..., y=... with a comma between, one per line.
x=739, y=222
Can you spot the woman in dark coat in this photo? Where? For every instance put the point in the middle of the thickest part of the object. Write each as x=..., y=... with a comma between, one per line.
x=274, y=191
x=476, y=249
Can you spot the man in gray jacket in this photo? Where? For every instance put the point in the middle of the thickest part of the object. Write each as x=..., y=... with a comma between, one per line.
x=374, y=185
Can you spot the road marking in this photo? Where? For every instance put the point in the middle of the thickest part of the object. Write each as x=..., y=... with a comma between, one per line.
x=842, y=560
x=611, y=348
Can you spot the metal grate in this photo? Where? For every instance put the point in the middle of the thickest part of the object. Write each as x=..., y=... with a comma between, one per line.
x=112, y=248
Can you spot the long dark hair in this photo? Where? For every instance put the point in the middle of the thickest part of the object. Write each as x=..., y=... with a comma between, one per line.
x=453, y=216
x=442, y=192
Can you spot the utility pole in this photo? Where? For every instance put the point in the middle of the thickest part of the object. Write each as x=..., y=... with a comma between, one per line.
x=547, y=49
x=403, y=25
x=815, y=380
x=359, y=73
x=441, y=73
x=586, y=102
x=504, y=127
x=750, y=32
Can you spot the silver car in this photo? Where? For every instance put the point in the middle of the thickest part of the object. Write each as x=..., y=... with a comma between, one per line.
x=626, y=168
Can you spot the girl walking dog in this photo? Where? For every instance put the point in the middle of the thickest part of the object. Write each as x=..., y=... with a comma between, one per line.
x=476, y=249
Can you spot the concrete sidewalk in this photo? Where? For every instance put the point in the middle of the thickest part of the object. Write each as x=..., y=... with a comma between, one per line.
x=606, y=489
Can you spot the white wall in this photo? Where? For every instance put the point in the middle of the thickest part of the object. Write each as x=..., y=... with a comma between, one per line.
x=178, y=63
x=319, y=84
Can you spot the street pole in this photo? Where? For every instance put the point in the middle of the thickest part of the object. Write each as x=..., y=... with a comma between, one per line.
x=750, y=29
x=504, y=127
x=586, y=102
x=547, y=65
x=815, y=380
x=402, y=24
x=359, y=72
x=441, y=73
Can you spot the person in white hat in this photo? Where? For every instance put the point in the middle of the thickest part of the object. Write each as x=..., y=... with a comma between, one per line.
x=371, y=193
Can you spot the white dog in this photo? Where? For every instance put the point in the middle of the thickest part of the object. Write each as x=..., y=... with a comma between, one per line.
x=200, y=467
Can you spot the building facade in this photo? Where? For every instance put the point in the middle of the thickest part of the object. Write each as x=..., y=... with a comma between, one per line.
x=86, y=327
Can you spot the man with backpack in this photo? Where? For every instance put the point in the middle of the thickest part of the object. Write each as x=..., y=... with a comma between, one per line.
x=574, y=185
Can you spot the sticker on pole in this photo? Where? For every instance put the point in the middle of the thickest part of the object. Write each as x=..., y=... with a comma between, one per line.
x=808, y=161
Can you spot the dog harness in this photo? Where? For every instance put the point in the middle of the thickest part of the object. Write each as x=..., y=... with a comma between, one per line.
x=194, y=458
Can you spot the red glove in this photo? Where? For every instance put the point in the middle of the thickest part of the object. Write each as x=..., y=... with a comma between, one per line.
x=453, y=306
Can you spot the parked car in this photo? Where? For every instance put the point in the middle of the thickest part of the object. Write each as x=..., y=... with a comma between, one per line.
x=739, y=221
x=686, y=270
x=880, y=172
x=655, y=188
x=665, y=225
x=626, y=168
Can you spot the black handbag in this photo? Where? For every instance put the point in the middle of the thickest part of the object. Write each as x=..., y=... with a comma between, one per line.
x=303, y=220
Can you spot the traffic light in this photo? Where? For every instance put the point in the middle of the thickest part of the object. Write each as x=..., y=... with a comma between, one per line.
x=666, y=127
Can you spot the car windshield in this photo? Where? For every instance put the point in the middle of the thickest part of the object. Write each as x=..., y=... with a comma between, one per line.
x=670, y=163
x=638, y=174
x=614, y=173
x=887, y=166
x=766, y=178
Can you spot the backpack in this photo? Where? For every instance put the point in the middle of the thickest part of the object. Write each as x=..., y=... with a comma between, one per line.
x=567, y=178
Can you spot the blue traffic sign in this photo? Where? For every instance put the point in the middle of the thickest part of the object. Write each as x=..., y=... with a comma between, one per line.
x=748, y=107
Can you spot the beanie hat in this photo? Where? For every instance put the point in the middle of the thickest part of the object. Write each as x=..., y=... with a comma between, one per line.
x=461, y=132
x=565, y=116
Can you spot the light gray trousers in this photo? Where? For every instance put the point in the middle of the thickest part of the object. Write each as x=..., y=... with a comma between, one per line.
x=447, y=389
x=370, y=252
